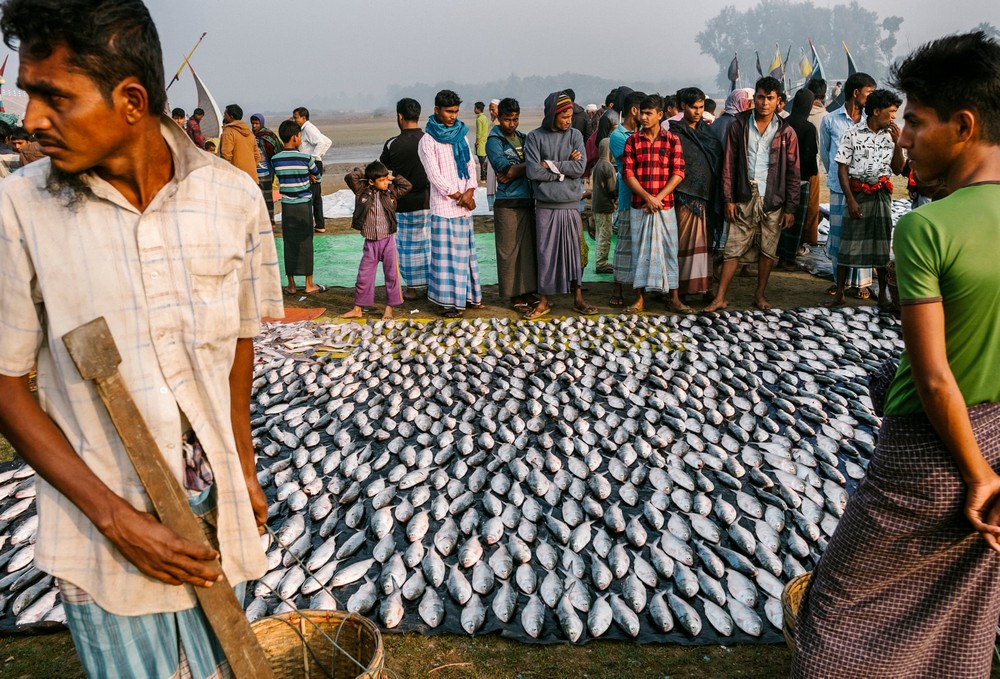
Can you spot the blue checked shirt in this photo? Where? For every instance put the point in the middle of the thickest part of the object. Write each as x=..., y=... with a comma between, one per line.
x=177, y=284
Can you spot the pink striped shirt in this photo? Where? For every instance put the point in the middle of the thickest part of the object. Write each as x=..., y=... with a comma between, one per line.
x=439, y=163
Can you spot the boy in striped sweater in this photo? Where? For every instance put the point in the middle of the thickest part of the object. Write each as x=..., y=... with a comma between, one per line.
x=296, y=173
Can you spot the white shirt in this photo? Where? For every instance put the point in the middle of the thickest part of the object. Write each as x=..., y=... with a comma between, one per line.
x=177, y=284
x=314, y=142
x=867, y=154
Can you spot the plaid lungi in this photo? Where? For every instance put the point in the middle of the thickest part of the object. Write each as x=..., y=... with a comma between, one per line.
x=623, y=247
x=856, y=278
x=791, y=239
x=654, y=250
x=695, y=269
x=413, y=244
x=905, y=586
x=454, y=268
x=865, y=241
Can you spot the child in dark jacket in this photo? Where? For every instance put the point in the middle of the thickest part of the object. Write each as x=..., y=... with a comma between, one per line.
x=376, y=192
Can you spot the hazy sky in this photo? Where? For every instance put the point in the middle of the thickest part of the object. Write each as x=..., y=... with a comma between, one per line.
x=277, y=55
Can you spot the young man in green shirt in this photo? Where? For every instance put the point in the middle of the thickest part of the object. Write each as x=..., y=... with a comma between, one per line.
x=482, y=132
x=907, y=585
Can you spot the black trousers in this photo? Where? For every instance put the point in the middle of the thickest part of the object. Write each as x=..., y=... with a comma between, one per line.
x=317, y=202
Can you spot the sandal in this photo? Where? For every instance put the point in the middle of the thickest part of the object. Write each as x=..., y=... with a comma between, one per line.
x=289, y=291
x=452, y=313
x=537, y=312
x=521, y=307
x=477, y=307
x=634, y=309
x=683, y=309
x=863, y=293
x=832, y=290
x=617, y=302
x=319, y=288
x=585, y=309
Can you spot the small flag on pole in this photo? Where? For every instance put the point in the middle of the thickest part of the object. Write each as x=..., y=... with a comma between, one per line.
x=734, y=73
x=775, y=71
x=760, y=73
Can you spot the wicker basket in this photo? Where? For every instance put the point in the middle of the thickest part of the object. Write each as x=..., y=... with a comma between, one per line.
x=790, y=600
x=315, y=644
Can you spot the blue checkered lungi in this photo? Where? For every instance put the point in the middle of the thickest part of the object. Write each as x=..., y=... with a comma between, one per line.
x=413, y=245
x=856, y=278
x=654, y=250
x=454, y=268
x=622, y=261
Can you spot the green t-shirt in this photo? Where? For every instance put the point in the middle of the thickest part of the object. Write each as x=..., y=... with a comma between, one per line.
x=482, y=131
x=949, y=250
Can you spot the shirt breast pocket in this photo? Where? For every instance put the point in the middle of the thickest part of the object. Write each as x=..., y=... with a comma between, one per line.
x=216, y=307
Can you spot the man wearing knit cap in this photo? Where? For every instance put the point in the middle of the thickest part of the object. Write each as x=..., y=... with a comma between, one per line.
x=555, y=159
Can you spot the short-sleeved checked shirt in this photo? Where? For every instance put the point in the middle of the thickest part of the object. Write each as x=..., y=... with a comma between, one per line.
x=177, y=284
x=653, y=163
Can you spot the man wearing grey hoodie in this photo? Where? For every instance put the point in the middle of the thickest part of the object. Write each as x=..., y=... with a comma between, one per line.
x=555, y=159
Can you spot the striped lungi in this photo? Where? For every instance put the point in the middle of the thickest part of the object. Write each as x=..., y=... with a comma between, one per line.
x=865, y=241
x=856, y=278
x=905, y=587
x=622, y=261
x=557, y=233
x=791, y=239
x=654, y=250
x=413, y=243
x=454, y=268
x=694, y=268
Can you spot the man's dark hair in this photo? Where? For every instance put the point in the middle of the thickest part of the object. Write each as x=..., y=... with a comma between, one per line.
x=20, y=133
x=856, y=82
x=609, y=101
x=710, y=105
x=669, y=102
x=409, y=109
x=783, y=97
x=479, y=107
x=198, y=112
x=881, y=99
x=376, y=170
x=301, y=111
x=109, y=40
x=177, y=113
x=507, y=106
x=651, y=101
x=235, y=111
x=955, y=73
x=689, y=96
x=288, y=129
x=818, y=87
x=447, y=99
x=632, y=100
x=767, y=84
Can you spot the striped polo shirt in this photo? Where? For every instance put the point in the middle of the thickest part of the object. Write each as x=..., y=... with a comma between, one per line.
x=293, y=169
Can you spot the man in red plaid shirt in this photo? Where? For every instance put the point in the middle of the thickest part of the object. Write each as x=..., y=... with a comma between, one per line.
x=653, y=166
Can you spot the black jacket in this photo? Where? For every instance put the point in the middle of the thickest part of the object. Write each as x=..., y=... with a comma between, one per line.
x=365, y=194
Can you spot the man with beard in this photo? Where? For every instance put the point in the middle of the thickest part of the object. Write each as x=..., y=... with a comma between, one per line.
x=697, y=196
x=126, y=219
x=867, y=156
x=831, y=131
x=554, y=162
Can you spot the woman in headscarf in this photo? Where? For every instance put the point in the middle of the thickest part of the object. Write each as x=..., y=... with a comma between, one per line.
x=788, y=244
x=555, y=159
x=738, y=101
x=268, y=144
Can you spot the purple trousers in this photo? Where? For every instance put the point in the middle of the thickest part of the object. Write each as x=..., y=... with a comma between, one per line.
x=378, y=251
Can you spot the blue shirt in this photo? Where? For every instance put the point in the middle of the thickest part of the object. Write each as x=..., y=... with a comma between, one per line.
x=616, y=143
x=831, y=131
x=759, y=152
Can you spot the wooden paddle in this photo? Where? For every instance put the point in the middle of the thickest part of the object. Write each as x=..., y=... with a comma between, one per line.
x=96, y=356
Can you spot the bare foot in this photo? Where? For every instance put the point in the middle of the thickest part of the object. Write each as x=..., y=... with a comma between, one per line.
x=410, y=294
x=387, y=314
x=761, y=304
x=356, y=312
x=716, y=305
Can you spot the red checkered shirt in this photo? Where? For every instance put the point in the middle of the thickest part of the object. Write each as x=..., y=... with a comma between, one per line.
x=653, y=163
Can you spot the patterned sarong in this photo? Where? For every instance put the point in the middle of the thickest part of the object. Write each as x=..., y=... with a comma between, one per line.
x=413, y=244
x=654, y=250
x=791, y=239
x=856, y=278
x=694, y=268
x=865, y=241
x=623, y=247
x=905, y=587
x=454, y=268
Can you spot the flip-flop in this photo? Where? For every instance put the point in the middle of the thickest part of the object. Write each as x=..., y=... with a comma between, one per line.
x=832, y=290
x=452, y=313
x=633, y=309
x=585, y=309
x=683, y=309
x=320, y=288
x=477, y=307
x=536, y=313
x=521, y=307
x=288, y=291
x=862, y=293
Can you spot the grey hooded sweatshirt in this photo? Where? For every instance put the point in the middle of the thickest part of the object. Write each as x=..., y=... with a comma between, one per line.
x=546, y=143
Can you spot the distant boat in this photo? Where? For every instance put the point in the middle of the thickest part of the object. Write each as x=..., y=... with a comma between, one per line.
x=211, y=124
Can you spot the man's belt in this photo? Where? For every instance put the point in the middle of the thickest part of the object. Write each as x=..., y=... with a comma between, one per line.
x=883, y=184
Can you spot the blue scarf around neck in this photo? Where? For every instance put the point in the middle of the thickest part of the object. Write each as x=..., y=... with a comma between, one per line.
x=454, y=135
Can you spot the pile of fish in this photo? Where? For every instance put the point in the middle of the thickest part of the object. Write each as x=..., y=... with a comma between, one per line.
x=641, y=477
x=646, y=477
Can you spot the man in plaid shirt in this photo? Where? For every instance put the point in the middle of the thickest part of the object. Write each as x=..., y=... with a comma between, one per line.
x=653, y=166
